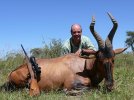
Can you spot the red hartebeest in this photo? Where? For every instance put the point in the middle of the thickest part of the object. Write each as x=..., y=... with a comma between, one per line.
x=71, y=71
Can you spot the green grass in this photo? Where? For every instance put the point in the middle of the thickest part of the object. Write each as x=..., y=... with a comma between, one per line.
x=123, y=88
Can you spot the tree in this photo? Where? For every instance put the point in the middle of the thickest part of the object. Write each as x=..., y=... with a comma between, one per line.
x=51, y=50
x=130, y=40
x=36, y=51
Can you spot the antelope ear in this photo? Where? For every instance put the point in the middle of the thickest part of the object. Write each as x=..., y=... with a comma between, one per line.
x=120, y=50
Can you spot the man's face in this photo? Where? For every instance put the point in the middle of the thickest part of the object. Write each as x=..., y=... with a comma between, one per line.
x=76, y=33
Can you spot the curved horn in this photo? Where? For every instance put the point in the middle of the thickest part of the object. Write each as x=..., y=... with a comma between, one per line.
x=109, y=39
x=95, y=34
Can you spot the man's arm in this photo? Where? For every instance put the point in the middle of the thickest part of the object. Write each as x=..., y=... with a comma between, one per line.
x=88, y=44
x=64, y=51
x=87, y=47
x=65, y=48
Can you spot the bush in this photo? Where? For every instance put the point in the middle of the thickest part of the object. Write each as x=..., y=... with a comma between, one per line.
x=52, y=50
x=10, y=62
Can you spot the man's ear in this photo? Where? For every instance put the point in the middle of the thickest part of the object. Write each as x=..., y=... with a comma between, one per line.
x=120, y=50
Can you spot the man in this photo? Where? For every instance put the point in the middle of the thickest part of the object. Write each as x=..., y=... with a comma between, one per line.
x=77, y=43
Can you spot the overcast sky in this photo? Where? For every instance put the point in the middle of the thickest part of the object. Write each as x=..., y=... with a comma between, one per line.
x=30, y=22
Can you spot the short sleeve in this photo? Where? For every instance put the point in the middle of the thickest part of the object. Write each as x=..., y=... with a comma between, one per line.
x=65, y=48
x=87, y=44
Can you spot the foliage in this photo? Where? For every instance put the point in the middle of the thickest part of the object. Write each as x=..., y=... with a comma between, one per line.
x=48, y=51
x=124, y=60
x=130, y=40
x=10, y=62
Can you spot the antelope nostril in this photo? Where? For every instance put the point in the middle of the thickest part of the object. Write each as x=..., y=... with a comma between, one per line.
x=109, y=86
x=109, y=83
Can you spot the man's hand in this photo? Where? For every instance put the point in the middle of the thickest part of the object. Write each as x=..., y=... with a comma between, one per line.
x=78, y=52
x=87, y=52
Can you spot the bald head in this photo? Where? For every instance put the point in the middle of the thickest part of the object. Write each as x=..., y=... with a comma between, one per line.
x=76, y=27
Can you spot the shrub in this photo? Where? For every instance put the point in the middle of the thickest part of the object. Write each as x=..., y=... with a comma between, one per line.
x=52, y=50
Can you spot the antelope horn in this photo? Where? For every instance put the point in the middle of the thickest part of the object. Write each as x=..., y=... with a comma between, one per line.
x=109, y=39
x=95, y=34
